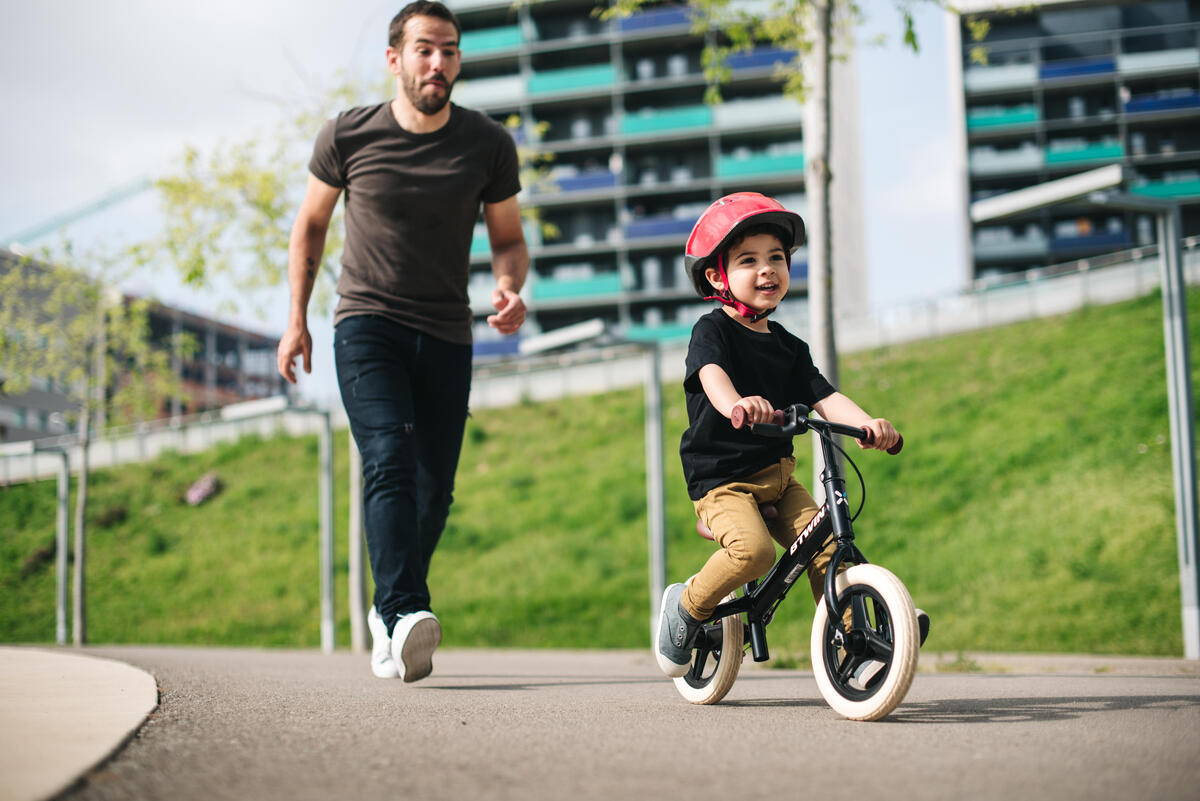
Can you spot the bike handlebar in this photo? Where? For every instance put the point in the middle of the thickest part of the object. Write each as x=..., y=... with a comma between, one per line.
x=795, y=421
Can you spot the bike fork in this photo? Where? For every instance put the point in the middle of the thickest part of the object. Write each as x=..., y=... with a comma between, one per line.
x=757, y=630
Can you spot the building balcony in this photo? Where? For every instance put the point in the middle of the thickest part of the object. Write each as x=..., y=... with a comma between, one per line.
x=1162, y=61
x=666, y=332
x=994, y=162
x=1006, y=76
x=603, y=284
x=1169, y=189
x=1002, y=117
x=491, y=40
x=490, y=92
x=671, y=16
x=666, y=119
x=1098, y=241
x=1164, y=101
x=1077, y=67
x=572, y=79
x=1072, y=154
x=993, y=247
x=759, y=164
x=663, y=226
x=757, y=111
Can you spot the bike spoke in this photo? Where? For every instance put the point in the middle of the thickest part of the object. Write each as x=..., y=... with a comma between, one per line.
x=698, y=664
x=846, y=669
x=880, y=648
x=858, y=612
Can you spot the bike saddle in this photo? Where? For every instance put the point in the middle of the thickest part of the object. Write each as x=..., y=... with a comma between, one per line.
x=767, y=510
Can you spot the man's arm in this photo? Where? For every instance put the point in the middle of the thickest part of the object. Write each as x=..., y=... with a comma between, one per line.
x=305, y=248
x=510, y=263
x=837, y=408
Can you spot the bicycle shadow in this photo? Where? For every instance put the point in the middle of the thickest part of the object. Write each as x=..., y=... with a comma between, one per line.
x=1031, y=710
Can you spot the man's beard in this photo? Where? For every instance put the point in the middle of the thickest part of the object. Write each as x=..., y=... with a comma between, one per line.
x=426, y=104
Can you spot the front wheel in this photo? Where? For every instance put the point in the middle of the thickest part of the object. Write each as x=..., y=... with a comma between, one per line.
x=715, y=660
x=866, y=675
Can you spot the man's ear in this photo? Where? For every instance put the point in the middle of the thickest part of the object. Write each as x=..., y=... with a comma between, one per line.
x=714, y=278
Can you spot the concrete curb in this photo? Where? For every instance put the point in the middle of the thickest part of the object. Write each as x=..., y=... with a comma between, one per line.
x=63, y=713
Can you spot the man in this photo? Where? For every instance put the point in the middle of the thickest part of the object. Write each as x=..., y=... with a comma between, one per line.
x=415, y=171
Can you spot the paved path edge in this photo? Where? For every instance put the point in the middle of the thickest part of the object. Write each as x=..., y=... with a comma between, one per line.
x=62, y=713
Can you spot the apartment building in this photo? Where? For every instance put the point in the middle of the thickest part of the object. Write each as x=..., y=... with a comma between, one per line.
x=228, y=364
x=1069, y=86
x=633, y=155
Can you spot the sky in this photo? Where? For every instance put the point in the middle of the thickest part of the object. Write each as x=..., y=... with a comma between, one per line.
x=105, y=93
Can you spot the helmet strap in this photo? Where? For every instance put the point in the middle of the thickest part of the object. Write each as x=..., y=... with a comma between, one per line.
x=725, y=296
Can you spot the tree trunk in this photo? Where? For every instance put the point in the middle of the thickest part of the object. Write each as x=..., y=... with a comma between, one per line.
x=818, y=124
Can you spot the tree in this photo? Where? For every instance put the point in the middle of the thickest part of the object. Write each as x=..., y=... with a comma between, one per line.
x=69, y=329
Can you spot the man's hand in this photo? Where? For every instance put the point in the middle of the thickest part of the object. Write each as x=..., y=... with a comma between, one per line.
x=296, y=341
x=885, y=433
x=510, y=311
x=758, y=409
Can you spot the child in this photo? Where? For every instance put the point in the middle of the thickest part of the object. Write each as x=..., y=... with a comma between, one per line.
x=738, y=254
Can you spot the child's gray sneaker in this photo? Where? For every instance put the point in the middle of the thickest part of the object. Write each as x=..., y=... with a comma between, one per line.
x=865, y=674
x=414, y=640
x=382, y=664
x=676, y=630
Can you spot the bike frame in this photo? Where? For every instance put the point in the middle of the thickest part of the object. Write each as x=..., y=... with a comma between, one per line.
x=832, y=519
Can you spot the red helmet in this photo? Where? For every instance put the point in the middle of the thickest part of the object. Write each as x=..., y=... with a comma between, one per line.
x=721, y=223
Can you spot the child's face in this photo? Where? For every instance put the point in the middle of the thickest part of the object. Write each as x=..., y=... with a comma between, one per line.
x=757, y=270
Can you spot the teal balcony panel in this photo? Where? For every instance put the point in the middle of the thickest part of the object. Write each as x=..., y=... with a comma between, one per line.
x=658, y=333
x=565, y=80
x=1017, y=115
x=1101, y=152
x=551, y=289
x=490, y=39
x=758, y=164
x=1176, y=189
x=673, y=119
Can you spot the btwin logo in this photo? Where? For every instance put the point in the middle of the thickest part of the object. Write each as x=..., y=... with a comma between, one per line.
x=808, y=530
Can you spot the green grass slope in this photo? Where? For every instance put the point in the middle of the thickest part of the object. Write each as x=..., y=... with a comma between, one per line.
x=1031, y=510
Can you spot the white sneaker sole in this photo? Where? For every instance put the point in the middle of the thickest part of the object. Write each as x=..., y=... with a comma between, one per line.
x=418, y=635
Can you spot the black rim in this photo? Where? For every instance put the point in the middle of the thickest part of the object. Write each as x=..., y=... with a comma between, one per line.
x=707, y=656
x=871, y=638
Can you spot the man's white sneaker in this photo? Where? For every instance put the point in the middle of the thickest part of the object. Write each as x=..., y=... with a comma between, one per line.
x=382, y=664
x=414, y=640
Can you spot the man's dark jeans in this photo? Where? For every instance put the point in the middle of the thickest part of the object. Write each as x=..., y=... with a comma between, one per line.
x=406, y=395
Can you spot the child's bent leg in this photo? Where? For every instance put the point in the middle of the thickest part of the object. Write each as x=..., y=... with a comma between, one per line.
x=747, y=551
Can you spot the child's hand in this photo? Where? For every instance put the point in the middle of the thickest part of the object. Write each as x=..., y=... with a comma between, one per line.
x=885, y=433
x=758, y=409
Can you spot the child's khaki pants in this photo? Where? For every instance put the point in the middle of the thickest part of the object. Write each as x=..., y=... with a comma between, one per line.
x=747, y=541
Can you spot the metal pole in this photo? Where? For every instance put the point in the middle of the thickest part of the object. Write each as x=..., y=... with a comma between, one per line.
x=61, y=545
x=1179, y=396
x=357, y=557
x=655, y=507
x=326, y=538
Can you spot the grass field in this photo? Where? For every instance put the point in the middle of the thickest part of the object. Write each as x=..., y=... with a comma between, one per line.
x=1031, y=510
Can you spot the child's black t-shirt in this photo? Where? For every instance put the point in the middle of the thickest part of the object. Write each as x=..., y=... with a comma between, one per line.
x=775, y=365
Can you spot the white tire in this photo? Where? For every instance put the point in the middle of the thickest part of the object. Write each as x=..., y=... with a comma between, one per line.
x=892, y=640
x=713, y=672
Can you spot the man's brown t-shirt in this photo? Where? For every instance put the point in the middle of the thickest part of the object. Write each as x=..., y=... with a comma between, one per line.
x=411, y=205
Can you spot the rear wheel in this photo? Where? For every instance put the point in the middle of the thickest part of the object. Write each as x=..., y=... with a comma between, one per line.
x=715, y=661
x=867, y=673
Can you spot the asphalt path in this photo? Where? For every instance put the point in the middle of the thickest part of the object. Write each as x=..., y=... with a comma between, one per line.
x=529, y=725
